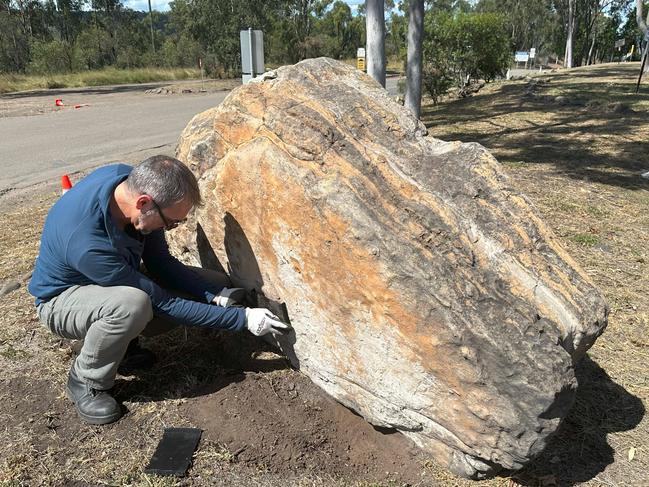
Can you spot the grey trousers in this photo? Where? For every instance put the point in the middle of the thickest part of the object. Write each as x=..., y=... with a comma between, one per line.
x=107, y=319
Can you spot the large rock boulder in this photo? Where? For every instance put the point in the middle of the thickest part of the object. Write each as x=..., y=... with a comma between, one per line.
x=425, y=291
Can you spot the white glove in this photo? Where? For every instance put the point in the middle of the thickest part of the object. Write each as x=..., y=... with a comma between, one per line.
x=229, y=296
x=261, y=321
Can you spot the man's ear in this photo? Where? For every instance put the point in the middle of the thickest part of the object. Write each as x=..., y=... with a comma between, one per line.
x=142, y=200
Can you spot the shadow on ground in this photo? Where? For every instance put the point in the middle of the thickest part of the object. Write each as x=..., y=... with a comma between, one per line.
x=579, y=450
x=531, y=122
x=195, y=362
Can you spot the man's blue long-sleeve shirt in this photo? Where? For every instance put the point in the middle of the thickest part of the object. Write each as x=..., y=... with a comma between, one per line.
x=81, y=245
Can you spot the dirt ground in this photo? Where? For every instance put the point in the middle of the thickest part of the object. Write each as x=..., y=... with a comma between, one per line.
x=575, y=143
x=38, y=102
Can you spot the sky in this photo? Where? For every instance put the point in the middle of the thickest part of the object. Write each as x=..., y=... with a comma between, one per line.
x=163, y=5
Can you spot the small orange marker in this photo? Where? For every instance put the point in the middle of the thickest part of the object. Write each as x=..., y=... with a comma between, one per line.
x=66, y=185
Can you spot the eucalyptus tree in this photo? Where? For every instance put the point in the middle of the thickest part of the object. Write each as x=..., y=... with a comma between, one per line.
x=415, y=56
x=567, y=58
x=375, y=32
x=643, y=26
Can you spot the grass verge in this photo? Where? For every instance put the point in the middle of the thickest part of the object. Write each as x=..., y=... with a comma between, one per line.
x=108, y=76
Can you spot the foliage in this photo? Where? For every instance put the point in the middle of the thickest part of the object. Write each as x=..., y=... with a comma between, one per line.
x=53, y=57
x=62, y=36
x=463, y=46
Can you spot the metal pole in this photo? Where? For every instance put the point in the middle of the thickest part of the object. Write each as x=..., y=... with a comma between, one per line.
x=252, y=64
x=644, y=60
x=151, y=25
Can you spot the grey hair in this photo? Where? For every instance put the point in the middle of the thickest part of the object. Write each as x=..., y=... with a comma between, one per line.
x=166, y=180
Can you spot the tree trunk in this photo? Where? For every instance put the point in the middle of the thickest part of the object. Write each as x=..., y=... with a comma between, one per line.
x=375, y=40
x=589, y=61
x=415, y=55
x=567, y=62
x=642, y=24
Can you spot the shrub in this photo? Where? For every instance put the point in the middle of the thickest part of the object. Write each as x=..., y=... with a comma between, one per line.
x=53, y=57
x=461, y=47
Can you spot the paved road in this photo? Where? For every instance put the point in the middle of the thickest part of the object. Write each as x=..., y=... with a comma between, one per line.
x=132, y=127
x=119, y=124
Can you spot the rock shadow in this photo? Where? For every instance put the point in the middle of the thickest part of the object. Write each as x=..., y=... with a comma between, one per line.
x=579, y=450
x=195, y=362
x=244, y=271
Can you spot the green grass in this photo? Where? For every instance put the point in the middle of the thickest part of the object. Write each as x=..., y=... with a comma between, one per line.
x=585, y=239
x=12, y=353
x=514, y=164
x=108, y=76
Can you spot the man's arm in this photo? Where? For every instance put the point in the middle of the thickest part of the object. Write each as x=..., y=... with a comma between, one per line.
x=106, y=267
x=171, y=272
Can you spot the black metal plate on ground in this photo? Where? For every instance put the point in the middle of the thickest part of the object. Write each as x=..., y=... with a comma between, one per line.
x=174, y=453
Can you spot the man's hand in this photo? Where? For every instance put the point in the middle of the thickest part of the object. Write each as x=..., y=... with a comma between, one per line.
x=261, y=321
x=229, y=296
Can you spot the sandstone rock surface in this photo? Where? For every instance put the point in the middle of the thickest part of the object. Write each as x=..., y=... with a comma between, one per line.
x=425, y=291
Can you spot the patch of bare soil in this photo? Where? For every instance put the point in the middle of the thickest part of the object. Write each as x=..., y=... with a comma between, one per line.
x=282, y=423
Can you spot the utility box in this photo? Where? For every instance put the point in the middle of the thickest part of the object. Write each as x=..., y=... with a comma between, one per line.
x=252, y=54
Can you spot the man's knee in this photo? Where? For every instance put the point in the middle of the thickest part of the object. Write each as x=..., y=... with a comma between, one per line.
x=134, y=309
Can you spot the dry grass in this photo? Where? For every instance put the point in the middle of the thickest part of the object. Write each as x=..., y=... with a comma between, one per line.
x=579, y=165
x=107, y=76
x=579, y=160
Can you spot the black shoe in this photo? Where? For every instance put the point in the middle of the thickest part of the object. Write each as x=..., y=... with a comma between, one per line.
x=92, y=405
x=136, y=358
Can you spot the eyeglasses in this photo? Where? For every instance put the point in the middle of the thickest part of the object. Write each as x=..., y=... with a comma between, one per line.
x=168, y=225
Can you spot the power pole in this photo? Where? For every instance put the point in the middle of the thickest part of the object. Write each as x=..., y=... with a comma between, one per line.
x=151, y=25
x=413, y=71
x=375, y=27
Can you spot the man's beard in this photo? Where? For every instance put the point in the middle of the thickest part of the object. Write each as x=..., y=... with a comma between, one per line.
x=139, y=221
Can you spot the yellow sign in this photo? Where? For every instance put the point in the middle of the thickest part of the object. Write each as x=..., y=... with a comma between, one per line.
x=360, y=63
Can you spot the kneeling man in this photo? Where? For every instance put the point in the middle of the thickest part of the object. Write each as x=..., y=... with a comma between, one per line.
x=88, y=284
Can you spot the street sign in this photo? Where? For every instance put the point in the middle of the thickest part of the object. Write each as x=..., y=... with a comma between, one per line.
x=521, y=56
x=620, y=42
x=252, y=54
x=532, y=53
x=360, y=58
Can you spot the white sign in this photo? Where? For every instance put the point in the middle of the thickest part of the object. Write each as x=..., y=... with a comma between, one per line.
x=360, y=52
x=521, y=56
x=532, y=53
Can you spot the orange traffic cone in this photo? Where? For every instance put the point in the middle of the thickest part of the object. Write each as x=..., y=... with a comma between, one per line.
x=65, y=184
x=58, y=102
